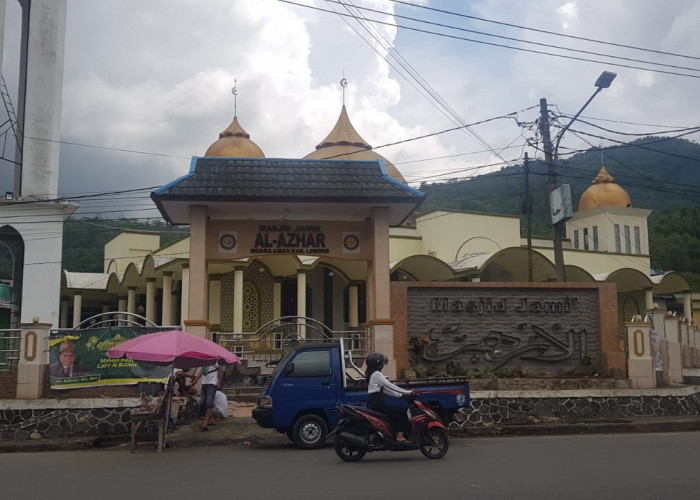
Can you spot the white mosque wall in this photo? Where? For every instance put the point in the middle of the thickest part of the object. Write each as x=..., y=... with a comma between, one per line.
x=450, y=236
x=128, y=247
x=42, y=234
x=629, y=221
x=603, y=262
x=403, y=243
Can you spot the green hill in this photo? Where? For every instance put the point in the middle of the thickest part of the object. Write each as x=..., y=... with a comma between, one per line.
x=658, y=173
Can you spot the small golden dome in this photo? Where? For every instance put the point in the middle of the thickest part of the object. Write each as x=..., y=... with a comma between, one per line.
x=344, y=143
x=604, y=192
x=234, y=142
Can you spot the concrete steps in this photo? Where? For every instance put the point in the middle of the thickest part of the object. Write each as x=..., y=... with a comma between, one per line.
x=242, y=393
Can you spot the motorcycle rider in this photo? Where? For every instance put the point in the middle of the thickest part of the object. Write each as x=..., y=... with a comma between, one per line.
x=378, y=386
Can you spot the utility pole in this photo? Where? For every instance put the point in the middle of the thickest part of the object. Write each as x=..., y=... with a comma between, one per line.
x=549, y=159
x=528, y=217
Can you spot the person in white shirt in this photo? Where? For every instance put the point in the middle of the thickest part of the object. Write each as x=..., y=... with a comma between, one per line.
x=212, y=377
x=378, y=386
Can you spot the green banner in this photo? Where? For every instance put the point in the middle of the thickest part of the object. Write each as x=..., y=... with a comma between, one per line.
x=79, y=359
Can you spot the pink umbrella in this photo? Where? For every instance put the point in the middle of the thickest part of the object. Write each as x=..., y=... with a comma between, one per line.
x=173, y=347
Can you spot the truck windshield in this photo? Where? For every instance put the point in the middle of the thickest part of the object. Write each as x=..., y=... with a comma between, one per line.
x=279, y=365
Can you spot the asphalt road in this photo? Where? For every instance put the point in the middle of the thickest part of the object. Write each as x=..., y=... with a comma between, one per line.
x=625, y=466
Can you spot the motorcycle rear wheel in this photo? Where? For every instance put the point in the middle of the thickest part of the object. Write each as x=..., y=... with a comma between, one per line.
x=434, y=442
x=347, y=451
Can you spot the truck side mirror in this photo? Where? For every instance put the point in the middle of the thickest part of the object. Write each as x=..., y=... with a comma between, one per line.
x=289, y=368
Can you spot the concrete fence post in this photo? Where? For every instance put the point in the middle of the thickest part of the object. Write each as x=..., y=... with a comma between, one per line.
x=675, y=360
x=640, y=361
x=34, y=348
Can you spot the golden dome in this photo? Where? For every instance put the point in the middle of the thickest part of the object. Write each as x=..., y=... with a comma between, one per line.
x=344, y=143
x=604, y=192
x=234, y=142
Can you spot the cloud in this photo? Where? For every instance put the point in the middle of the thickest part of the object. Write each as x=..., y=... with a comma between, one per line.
x=156, y=77
x=567, y=14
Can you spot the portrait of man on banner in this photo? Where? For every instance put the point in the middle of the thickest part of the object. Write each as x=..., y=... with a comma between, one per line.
x=67, y=365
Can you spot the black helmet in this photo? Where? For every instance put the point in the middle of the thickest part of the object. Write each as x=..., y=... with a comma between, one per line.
x=376, y=360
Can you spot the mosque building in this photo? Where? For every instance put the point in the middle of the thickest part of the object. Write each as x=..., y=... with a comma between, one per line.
x=322, y=237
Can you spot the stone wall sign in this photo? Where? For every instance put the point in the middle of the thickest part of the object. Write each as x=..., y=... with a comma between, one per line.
x=550, y=332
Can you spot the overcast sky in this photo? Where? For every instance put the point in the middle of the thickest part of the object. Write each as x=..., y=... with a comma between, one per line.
x=156, y=77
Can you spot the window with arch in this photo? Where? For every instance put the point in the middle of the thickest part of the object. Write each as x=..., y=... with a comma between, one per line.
x=630, y=309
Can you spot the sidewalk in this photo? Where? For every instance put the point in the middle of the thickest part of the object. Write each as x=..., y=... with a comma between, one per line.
x=241, y=430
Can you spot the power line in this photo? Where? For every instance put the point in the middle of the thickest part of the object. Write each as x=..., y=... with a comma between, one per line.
x=483, y=42
x=593, y=40
x=513, y=39
x=442, y=105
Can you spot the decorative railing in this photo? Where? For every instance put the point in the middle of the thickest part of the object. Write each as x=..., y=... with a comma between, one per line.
x=267, y=346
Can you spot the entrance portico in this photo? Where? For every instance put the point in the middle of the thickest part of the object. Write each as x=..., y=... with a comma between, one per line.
x=291, y=218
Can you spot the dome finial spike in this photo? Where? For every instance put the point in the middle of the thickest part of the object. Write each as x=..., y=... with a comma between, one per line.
x=343, y=84
x=234, y=91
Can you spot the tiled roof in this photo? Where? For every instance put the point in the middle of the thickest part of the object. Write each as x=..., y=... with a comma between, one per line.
x=268, y=179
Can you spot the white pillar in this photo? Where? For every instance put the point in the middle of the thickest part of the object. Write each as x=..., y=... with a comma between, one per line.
x=64, y=311
x=687, y=306
x=238, y=300
x=301, y=301
x=184, y=295
x=122, y=308
x=277, y=300
x=2, y=28
x=77, y=308
x=353, y=307
x=131, y=300
x=41, y=90
x=648, y=299
x=301, y=293
x=167, y=306
x=151, y=299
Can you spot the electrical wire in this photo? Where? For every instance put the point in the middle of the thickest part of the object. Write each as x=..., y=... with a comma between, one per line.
x=492, y=44
x=513, y=39
x=593, y=40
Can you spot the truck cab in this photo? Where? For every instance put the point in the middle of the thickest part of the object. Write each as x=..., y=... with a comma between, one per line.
x=303, y=392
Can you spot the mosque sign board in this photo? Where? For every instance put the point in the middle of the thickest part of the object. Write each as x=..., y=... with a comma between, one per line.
x=249, y=238
x=536, y=331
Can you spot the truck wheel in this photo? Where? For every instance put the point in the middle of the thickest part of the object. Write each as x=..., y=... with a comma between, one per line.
x=309, y=432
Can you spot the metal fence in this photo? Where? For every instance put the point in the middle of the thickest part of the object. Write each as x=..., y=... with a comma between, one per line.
x=264, y=348
x=9, y=348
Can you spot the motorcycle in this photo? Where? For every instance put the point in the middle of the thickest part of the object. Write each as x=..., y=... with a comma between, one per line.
x=362, y=430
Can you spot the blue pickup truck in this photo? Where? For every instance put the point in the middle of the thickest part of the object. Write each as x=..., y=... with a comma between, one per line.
x=303, y=392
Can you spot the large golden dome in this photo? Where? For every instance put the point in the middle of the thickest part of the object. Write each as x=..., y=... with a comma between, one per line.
x=604, y=192
x=344, y=143
x=234, y=142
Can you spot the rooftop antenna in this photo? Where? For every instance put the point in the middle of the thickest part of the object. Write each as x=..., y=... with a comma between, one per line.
x=343, y=83
x=602, y=157
x=234, y=91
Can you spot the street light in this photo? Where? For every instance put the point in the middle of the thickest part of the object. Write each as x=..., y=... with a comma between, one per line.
x=551, y=155
x=603, y=82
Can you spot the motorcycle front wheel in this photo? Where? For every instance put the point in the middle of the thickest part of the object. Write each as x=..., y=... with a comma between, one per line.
x=434, y=442
x=347, y=451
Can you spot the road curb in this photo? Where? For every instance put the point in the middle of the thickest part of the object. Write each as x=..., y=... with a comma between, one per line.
x=685, y=425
